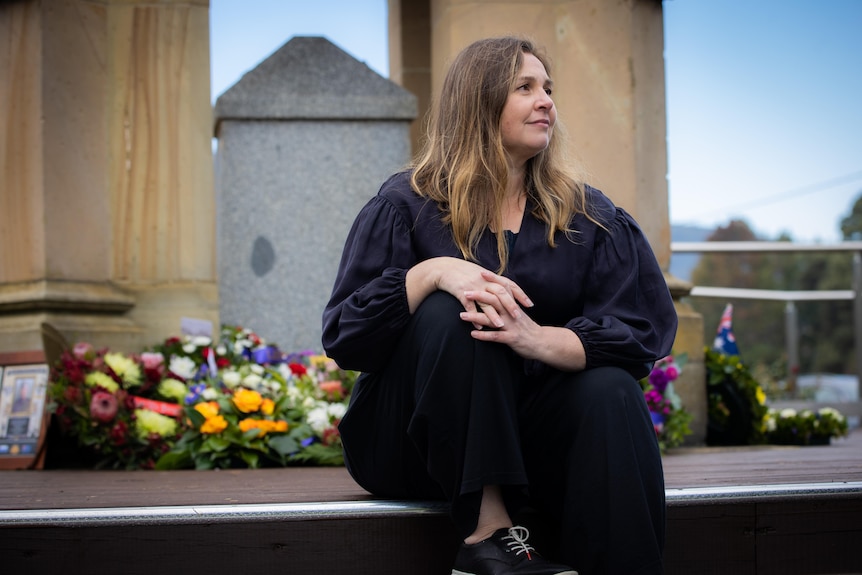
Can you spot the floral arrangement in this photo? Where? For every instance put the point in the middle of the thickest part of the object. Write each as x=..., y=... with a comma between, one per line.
x=789, y=427
x=198, y=404
x=120, y=409
x=736, y=402
x=670, y=420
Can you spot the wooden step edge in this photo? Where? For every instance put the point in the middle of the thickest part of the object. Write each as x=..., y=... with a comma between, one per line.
x=208, y=514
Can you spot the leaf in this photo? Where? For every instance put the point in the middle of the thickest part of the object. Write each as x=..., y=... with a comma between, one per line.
x=175, y=460
x=251, y=458
x=320, y=454
x=215, y=443
x=196, y=417
x=283, y=444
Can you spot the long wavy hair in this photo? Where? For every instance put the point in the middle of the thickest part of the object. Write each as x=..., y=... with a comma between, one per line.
x=463, y=165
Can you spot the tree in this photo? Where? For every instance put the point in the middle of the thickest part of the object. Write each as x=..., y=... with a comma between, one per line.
x=826, y=328
x=758, y=325
x=851, y=226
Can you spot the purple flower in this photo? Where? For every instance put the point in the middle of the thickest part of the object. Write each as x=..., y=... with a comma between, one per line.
x=195, y=392
x=658, y=379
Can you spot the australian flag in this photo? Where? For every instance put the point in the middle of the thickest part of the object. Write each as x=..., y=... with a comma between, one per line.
x=725, y=342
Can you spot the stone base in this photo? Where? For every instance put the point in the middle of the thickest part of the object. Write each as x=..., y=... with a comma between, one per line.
x=22, y=332
x=691, y=385
x=127, y=319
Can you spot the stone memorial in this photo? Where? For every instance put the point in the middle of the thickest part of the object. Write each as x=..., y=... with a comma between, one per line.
x=304, y=140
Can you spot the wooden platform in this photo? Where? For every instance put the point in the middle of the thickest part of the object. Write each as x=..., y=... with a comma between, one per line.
x=757, y=510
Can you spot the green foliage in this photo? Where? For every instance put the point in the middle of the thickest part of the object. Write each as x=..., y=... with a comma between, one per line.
x=728, y=372
x=789, y=427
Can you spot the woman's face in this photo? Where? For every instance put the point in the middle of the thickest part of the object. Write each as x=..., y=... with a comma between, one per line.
x=528, y=116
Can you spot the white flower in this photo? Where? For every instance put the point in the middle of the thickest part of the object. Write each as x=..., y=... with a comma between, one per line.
x=337, y=410
x=252, y=381
x=787, y=413
x=830, y=412
x=257, y=368
x=182, y=366
x=210, y=394
x=221, y=349
x=200, y=341
x=284, y=371
x=318, y=420
x=231, y=378
x=189, y=347
x=771, y=425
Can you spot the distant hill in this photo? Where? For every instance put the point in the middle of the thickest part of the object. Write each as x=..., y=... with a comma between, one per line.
x=681, y=265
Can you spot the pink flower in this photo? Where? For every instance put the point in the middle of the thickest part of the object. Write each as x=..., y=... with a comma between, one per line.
x=671, y=372
x=152, y=360
x=333, y=389
x=103, y=406
x=82, y=350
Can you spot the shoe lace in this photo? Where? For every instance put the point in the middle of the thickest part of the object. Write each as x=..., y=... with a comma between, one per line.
x=517, y=541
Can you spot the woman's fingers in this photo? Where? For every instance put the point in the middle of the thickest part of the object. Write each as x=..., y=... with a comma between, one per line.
x=486, y=312
x=510, y=294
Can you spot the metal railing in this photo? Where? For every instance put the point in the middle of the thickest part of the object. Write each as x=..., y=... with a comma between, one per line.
x=790, y=297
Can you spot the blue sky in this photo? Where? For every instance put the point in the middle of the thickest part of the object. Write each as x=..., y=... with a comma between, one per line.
x=764, y=98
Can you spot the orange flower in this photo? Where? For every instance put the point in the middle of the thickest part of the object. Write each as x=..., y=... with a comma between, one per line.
x=247, y=401
x=207, y=409
x=268, y=406
x=263, y=426
x=214, y=424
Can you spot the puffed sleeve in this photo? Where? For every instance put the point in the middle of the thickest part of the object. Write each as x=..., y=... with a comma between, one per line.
x=629, y=318
x=368, y=307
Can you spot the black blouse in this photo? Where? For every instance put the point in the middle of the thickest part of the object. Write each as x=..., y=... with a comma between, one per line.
x=603, y=284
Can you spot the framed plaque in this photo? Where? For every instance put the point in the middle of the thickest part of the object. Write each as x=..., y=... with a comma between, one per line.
x=23, y=421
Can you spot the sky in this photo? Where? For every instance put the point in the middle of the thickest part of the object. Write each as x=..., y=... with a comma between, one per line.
x=764, y=98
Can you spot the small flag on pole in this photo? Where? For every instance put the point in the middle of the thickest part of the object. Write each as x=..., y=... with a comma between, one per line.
x=725, y=342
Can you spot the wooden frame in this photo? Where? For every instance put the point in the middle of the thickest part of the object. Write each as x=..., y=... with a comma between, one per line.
x=23, y=417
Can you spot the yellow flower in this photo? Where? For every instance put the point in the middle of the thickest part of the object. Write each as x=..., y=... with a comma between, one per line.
x=207, y=409
x=99, y=379
x=247, y=401
x=214, y=424
x=268, y=406
x=125, y=367
x=148, y=422
x=761, y=396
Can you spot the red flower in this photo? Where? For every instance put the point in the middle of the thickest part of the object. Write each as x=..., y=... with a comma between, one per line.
x=72, y=394
x=222, y=362
x=330, y=436
x=297, y=369
x=103, y=406
x=118, y=433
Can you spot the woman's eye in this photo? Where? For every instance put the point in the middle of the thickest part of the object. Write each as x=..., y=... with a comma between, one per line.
x=548, y=91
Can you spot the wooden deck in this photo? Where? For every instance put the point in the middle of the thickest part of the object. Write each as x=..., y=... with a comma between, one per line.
x=757, y=510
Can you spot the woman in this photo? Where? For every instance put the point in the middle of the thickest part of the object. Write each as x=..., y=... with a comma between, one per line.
x=501, y=313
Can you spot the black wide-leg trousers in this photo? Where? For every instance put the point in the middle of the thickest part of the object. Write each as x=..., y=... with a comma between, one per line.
x=451, y=414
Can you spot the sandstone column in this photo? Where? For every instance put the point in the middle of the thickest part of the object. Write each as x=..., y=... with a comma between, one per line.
x=608, y=69
x=106, y=186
